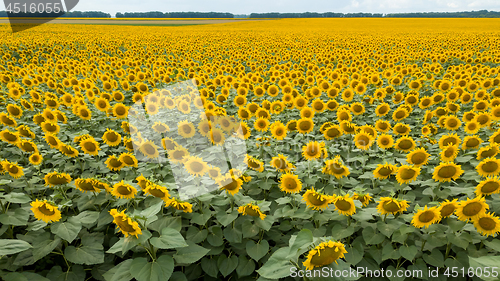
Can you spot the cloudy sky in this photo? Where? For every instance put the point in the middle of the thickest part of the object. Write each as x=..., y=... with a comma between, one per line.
x=262, y=6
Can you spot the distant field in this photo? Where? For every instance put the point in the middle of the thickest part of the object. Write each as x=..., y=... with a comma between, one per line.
x=127, y=21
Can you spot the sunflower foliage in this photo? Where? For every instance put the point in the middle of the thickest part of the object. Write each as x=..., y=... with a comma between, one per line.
x=367, y=146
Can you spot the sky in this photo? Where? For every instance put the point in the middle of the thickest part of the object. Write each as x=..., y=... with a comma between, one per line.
x=284, y=6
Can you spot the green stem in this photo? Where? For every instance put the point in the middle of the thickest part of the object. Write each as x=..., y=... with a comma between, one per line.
x=423, y=245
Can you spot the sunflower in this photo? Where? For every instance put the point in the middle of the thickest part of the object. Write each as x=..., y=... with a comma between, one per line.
x=400, y=114
x=426, y=217
x=336, y=168
x=196, y=166
x=142, y=182
x=27, y=146
x=385, y=141
x=113, y=163
x=305, y=125
x=35, y=159
x=401, y=129
x=471, y=209
x=160, y=127
x=316, y=200
x=382, y=109
x=363, y=198
x=56, y=178
x=280, y=163
x=85, y=185
x=13, y=169
x=68, y=150
x=230, y=183
x=332, y=132
x=445, y=140
x=25, y=131
x=120, y=110
x=312, y=150
x=471, y=142
x=90, y=146
x=14, y=110
x=11, y=122
x=290, y=183
x=52, y=141
x=383, y=171
x=278, y=130
x=186, y=129
x=449, y=153
x=488, y=186
x=102, y=104
x=407, y=173
x=418, y=157
x=488, y=167
x=149, y=149
x=405, y=144
x=123, y=190
x=363, y=140
x=487, y=224
x=125, y=224
x=254, y=164
x=217, y=136
x=324, y=254
x=243, y=131
x=487, y=151
x=157, y=191
x=251, y=210
x=388, y=205
x=307, y=112
x=128, y=159
x=179, y=205
x=495, y=137
x=178, y=155
x=357, y=108
x=45, y=211
x=345, y=205
x=9, y=137
x=447, y=208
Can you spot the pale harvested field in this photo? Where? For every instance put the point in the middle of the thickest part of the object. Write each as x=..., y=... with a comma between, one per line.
x=126, y=22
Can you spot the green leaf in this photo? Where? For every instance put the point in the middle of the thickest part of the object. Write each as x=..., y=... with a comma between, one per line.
x=371, y=237
x=215, y=236
x=233, y=234
x=18, y=198
x=455, y=224
x=209, y=266
x=87, y=254
x=24, y=276
x=153, y=210
x=190, y=254
x=169, y=238
x=87, y=217
x=340, y=231
x=303, y=239
x=457, y=240
x=245, y=266
x=257, y=251
x=159, y=270
x=436, y=258
x=43, y=248
x=481, y=263
x=13, y=246
x=494, y=244
x=67, y=230
x=227, y=265
x=18, y=217
x=76, y=274
x=276, y=268
x=120, y=272
x=225, y=218
x=408, y=252
x=388, y=228
x=201, y=219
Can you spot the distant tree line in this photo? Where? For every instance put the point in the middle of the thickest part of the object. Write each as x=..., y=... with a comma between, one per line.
x=157, y=14
x=472, y=14
x=315, y=15
x=75, y=14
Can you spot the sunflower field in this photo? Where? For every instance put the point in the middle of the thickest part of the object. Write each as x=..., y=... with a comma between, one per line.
x=367, y=143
